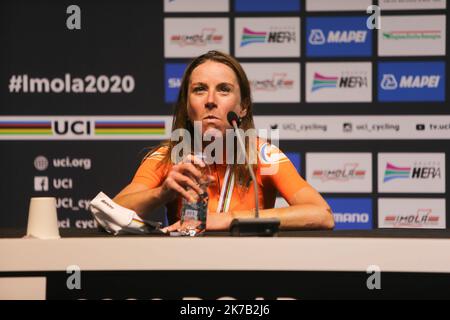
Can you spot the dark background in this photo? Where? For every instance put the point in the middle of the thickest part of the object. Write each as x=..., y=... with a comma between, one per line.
x=126, y=38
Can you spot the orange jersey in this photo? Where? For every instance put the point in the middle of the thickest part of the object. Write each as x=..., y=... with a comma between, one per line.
x=275, y=173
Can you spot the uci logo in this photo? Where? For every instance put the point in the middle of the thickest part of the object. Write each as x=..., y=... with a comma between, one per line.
x=69, y=127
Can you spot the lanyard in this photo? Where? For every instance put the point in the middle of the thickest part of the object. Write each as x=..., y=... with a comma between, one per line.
x=226, y=192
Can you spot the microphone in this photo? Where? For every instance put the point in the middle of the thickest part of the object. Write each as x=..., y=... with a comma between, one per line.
x=250, y=226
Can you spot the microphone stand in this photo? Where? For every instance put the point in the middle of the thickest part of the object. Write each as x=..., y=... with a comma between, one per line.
x=252, y=226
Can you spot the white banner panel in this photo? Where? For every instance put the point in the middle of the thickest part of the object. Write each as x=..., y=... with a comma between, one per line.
x=411, y=172
x=411, y=213
x=196, y=6
x=267, y=37
x=339, y=82
x=357, y=127
x=339, y=172
x=412, y=4
x=85, y=127
x=191, y=37
x=289, y=127
x=412, y=35
x=274, y=82
x=337, y=5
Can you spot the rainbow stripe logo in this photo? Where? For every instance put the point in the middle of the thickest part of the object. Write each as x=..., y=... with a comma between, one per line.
x=8, y=127
x=321, y=82
x=249, y=37
x=393, y=172
x=130, y=127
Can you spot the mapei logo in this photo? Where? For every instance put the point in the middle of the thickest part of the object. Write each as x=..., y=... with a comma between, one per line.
x=351, y=213
x=317, y=37
x=389, y=82
x=422, y=171
x=343, y=36
x=411, y=81
x=345, y=81
x=207, y=36
x=275, y=35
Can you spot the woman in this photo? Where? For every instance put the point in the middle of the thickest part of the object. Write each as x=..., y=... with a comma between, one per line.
x=213, y=85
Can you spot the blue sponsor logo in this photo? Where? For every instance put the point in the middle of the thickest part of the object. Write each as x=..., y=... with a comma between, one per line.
x=411, y=81
x=295, y=159
x=172, y=77
x=267, y=5
x=338, y=37
x=351, y=213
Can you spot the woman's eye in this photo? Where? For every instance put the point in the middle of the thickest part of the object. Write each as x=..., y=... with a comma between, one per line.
x=225, y=89
x=199, y=89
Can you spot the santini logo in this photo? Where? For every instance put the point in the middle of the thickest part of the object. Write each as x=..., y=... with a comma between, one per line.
x=389, y=82
x=317, y=37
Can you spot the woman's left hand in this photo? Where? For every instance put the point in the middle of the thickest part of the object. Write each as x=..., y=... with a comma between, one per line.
x=214, y=222
x=218, y=221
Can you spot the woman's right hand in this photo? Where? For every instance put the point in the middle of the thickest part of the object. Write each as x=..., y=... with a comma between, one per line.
x=181, y=177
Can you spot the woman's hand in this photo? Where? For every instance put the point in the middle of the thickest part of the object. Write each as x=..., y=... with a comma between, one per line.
x=218, y=221
x=214, y=222
x=172, y=228
x=181, y=177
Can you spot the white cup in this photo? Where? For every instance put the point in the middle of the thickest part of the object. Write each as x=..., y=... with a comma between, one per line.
x=42, y=219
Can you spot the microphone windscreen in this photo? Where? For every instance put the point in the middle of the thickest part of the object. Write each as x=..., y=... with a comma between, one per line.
x=232, y=116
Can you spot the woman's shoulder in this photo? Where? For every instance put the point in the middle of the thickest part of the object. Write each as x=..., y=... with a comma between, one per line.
x=158, y=153
x=269, y=153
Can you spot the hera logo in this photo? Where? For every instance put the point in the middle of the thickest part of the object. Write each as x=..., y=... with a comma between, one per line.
x=389, y=82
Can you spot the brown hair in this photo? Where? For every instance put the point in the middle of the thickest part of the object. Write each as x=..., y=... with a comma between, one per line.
x=181, y=120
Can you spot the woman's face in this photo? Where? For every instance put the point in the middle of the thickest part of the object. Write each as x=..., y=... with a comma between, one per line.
x=213, y=92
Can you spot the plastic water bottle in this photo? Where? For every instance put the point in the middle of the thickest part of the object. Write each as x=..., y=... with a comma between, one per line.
x=193, y=214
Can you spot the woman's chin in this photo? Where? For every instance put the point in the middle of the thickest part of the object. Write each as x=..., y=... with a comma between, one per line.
x=211, y=130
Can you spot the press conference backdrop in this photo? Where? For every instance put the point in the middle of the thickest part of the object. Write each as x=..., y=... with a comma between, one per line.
x=362, y=113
